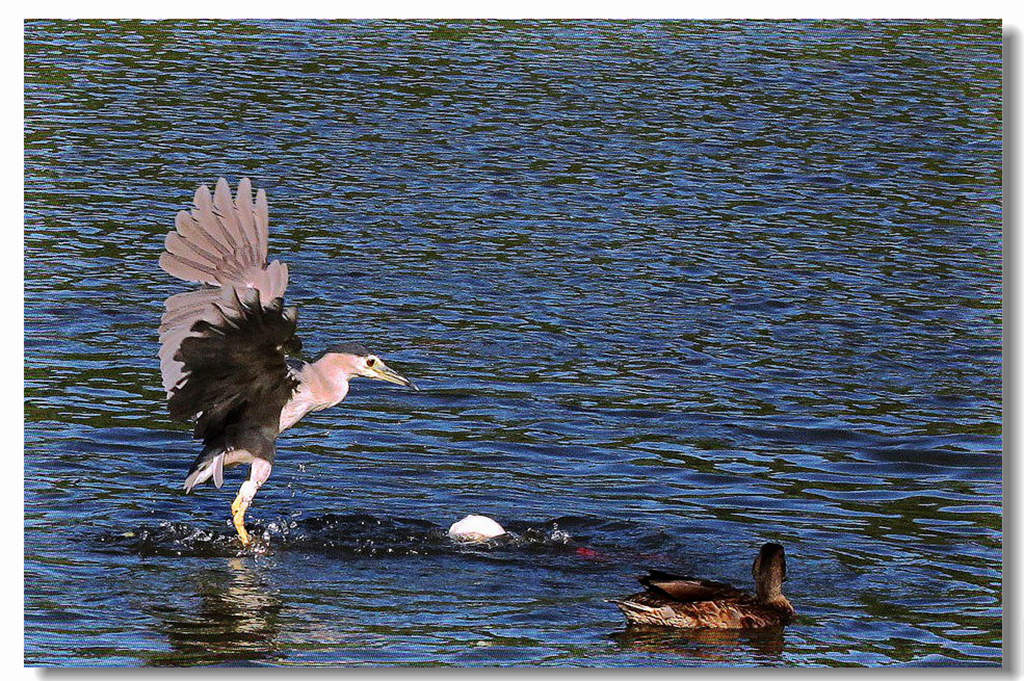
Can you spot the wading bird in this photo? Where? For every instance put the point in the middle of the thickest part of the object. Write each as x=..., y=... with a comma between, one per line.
x=686, y=603
x=227, y=350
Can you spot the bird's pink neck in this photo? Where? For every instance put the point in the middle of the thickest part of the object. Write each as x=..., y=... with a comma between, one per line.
x=332, y=373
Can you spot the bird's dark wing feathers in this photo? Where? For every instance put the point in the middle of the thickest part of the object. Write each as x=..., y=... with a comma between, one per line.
x=687, y=589
x=236, y=379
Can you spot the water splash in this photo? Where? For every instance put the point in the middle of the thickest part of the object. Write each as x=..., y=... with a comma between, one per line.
x=330, y=534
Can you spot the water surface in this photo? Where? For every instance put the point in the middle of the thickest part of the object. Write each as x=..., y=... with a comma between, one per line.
x=670, y=290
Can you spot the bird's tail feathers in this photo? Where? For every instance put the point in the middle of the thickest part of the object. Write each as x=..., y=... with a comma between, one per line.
x=637, y=613
x=209, y=464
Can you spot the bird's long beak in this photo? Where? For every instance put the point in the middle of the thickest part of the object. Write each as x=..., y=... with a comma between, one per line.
x=382, y=372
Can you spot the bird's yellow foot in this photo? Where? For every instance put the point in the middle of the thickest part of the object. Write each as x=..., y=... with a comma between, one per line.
x=238, y=509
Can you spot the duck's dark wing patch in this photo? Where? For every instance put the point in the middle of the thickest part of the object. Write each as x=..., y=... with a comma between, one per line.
x=235, y=375
x=687, y=589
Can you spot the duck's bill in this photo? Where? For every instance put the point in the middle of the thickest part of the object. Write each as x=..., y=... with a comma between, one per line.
x=383, y=372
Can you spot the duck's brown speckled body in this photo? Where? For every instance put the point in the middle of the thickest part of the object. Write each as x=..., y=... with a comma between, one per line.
x=674, y=601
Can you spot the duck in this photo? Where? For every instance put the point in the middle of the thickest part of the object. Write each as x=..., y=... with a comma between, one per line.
x=686, y=603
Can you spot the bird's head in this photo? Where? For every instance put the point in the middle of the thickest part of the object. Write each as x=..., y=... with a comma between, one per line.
x=354, y=359
x=770, y=570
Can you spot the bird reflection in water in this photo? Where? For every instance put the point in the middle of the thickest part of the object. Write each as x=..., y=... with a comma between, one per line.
x=234, y=622
x=706, y=646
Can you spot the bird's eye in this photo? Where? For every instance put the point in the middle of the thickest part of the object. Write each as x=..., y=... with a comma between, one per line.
x=371, y=361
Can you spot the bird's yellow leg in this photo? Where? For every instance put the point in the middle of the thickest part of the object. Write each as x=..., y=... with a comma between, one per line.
x=238, y=508
x=258, y=474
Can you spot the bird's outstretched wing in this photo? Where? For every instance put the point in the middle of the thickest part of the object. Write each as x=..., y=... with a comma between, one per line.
x=687, y=589
x=224, y=347
x=222, y=243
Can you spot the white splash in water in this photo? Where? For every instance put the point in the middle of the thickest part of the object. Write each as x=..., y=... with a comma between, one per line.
x=475, y=528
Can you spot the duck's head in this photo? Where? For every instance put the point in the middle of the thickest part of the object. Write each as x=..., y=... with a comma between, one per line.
x=770, y=571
